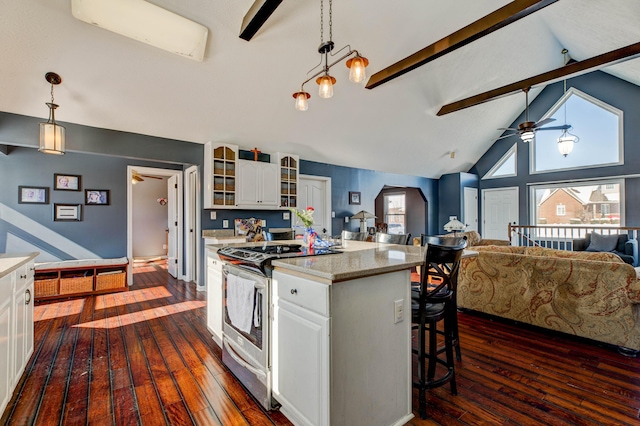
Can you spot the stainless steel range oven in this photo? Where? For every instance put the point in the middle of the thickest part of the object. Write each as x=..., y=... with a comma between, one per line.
x=246, y=327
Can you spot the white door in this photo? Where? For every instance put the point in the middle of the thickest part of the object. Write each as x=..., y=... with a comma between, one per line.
x=470, y=214
x=172, y=248
x=315, y=191
x=499, y=209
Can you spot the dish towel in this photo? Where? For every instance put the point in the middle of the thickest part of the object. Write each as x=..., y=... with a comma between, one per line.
x=240, y=294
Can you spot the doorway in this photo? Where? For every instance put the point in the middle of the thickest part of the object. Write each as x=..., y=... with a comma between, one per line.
x=315, y=191
x=171, y=205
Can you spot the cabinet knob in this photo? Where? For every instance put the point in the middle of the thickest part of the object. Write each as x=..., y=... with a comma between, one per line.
x=27, y=298
x=23, y=277
x=294, y=291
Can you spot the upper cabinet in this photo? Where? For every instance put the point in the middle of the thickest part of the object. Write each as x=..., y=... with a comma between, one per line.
x=258, y=184
x=220, y=165
x=232, y=183
x=289, y=171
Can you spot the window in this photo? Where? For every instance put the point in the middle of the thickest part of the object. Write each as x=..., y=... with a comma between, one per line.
x=598, y=125
x=578, y=203
x=395, y=213
x=505, y=167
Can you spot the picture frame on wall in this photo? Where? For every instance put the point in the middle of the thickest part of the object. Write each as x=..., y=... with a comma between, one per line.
x=33, y=195
x=63, y=182
x=67, y=212
x=354, y=197
x=96, y=197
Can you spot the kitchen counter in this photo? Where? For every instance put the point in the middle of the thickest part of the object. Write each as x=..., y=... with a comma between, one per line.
x=9, y=262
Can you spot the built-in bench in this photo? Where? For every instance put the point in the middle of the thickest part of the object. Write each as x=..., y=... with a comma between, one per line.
x=80, y=277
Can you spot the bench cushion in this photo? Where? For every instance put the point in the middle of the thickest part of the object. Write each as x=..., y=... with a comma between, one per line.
x=80, y=263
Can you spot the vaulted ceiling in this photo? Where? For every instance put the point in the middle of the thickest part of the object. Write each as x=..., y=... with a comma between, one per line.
x=241, y=92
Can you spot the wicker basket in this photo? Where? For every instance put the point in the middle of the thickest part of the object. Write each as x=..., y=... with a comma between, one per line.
x=46, y=287
x=109, y=281
x=76, y=285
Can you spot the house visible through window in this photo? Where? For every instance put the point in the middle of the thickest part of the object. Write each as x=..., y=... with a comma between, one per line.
x=578, y=204
x=395, y=213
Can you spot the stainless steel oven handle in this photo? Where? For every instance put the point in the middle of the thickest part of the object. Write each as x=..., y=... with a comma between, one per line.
x=259, y=373
x=258, y=285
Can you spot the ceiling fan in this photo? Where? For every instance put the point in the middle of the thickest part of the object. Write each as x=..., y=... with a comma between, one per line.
x=138, y=177
x=527, y=128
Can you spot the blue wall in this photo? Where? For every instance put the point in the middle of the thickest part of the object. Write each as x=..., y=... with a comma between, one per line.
x=609, y=89
x=451, y=198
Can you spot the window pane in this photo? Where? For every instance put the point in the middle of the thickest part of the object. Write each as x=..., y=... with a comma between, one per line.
x=578, y=204
x=395, y=213
x=596, y=124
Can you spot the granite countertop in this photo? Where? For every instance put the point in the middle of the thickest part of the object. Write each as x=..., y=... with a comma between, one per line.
x=358, y=259
x=9, y=262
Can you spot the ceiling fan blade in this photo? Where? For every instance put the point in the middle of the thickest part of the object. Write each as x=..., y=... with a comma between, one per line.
x=505, y=136
x=563, y=127
x=507, y=128
x=543, y=122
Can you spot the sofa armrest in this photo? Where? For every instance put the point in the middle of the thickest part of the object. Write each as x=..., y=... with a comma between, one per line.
x=580, y=244
x=631, y=248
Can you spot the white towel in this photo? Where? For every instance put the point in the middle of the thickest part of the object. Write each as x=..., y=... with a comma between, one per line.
x=240, y=294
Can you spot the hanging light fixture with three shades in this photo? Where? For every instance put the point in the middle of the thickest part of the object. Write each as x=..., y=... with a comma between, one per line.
x=325, y=81
x=52, y=139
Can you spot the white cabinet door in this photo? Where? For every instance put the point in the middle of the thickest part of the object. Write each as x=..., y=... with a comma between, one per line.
x=6, y=345
x=258, y=184
x=214, y=297
x=301, y=375
x=23, y=320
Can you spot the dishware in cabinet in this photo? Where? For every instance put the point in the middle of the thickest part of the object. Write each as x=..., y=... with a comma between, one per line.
x=289, y=168
x=220, y=163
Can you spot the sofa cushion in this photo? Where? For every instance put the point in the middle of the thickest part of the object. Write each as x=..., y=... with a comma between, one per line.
x=501, y=249
x=603, y=242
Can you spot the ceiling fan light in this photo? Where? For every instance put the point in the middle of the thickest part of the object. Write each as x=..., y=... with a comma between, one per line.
x=527, y=136
x=565, y=144
x=301, y=100
x=326, y=83
x=357, y=65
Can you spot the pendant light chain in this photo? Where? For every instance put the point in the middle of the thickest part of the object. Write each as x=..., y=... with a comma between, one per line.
x=330, y=20
x=322, y=21
x=52, y=93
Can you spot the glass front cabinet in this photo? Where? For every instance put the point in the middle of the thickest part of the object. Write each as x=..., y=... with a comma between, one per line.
x=289, y=171
x=220, y=175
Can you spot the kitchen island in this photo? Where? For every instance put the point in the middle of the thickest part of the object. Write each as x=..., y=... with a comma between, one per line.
x=342, y=335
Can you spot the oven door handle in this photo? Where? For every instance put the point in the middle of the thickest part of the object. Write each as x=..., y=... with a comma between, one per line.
x=259, y=373
x=257, y=285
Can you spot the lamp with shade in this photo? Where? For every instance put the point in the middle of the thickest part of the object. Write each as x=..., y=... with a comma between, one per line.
x=363, y=216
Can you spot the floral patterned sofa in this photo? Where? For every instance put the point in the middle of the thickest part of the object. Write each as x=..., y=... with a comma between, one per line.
x=588, y=294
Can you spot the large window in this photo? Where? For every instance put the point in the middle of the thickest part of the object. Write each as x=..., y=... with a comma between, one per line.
x=598, y=125
x=395, y=213
x=578, y=203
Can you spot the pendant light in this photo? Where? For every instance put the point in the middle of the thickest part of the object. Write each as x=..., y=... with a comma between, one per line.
x=566, y=139
x=52, y=140
x=326, y=81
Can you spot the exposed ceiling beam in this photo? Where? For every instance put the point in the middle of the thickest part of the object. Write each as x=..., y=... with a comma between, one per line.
x=572, y=69
x=500, y=18
x=257, y=15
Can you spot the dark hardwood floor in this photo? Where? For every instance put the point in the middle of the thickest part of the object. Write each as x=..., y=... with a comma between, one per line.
x=145, y=357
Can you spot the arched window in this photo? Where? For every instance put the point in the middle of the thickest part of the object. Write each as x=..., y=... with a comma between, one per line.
x=597, y=124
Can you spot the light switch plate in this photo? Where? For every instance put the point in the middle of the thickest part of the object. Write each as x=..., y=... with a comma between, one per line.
x=333, y=214
x=225, y=223
x=213, y=215
x=263, y=223
x=346, y=219
x=286, y=216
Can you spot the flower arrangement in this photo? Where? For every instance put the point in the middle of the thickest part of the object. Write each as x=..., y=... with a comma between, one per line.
x=305, y=216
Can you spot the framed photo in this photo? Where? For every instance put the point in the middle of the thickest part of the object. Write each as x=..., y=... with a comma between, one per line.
x=66, y=182
x=354, y=197
x=97, y=197
x=67, y=212
x=33, y=195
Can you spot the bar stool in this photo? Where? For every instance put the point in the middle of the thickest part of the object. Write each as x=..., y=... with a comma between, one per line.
x=430, y=304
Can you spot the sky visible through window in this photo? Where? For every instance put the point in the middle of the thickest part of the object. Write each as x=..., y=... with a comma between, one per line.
x=597, y=129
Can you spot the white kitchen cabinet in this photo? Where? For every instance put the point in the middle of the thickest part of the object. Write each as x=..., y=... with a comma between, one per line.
x=258, y=184
x=23, y=315
x=220, y=178
x=338, y=352
x=214, y=296
x=6, y=346
x=16, y=324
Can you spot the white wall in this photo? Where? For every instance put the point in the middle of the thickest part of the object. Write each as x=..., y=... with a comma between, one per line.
x=149, y=218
